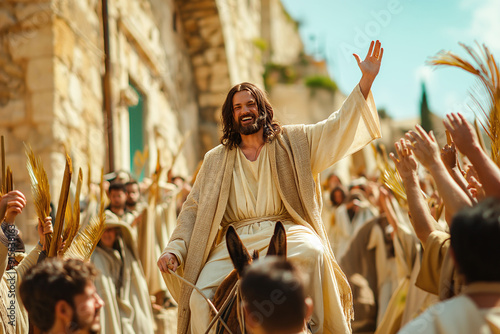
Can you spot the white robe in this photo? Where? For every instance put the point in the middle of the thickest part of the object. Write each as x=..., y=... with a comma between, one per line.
x=456, y=316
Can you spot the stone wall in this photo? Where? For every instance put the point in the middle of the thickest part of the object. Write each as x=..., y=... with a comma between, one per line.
x=27, y=97
x=51, y=96
x=181, y=55
x=280, y=32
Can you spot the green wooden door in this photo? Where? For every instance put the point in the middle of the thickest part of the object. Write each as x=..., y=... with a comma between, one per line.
x=136, y=128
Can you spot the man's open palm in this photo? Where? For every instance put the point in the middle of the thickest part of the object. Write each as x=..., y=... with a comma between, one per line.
x=371, y=65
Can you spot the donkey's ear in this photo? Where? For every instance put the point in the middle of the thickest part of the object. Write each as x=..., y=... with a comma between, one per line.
x=237, y=251
x=277, y=245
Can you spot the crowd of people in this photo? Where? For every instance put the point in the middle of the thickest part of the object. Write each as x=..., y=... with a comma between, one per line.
x=125, y=297
x=361, y=257
x=427, y=263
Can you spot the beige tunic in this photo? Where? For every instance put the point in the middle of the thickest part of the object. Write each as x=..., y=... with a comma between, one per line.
x=255, y=205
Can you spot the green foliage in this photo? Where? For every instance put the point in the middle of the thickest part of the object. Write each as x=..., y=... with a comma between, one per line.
x=425, y=113
x=260, y=43
x=320, y=82
x=382, y=113
x=275, y=73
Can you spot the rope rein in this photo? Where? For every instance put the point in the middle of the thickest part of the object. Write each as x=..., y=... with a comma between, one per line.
x=217, y=313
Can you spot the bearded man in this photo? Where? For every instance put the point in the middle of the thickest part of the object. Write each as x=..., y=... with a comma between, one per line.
x=264, y=173
x=60, y=297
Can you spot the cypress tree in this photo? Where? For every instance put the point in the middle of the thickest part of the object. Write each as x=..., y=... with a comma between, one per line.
x=425, y=113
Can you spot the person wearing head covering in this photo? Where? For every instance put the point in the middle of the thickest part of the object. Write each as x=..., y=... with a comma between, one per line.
x=121, y=282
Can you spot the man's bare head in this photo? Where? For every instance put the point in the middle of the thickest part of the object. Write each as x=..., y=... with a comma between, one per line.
x=232, y=125
x=274, y=297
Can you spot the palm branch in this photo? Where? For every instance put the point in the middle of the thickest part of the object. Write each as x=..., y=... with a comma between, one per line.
x=389, y=175
x=9, y=181
x=486, y=70
x=61, y=209
x=87, y=239
x=179, y=150
x=140, y=159
x=73, y=216
x=4, y=185
x=39, y=188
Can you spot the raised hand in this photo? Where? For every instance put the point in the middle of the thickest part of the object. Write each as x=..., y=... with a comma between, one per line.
x=476, y=189
x=405, y=162
x=449, y=156
x=424, y=146
x=463, y=133
x=12, y=204
x=44, y=228
x=370, y=66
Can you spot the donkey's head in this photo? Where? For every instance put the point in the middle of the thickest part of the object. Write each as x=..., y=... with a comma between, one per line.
x=240, y=257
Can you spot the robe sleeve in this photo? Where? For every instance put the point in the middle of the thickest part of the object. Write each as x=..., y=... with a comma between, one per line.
x=28, y=262
x=345, y=132
x=4, y=244
x=3, y=258
x=435, y=250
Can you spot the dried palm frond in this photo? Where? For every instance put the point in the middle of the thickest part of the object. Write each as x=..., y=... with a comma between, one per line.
x=39, y=188
x=154, y=190
x=9, y=181
x=61, y=209
x=449, y=140
x=479, y=135
x=73, y=215
x=486, y=70
x=140, y=159
x=4, y=185
x=89, y=177
x=389, y=175
x=179, y=150
x=87, y=239
x=378, y=159
x=393, y=181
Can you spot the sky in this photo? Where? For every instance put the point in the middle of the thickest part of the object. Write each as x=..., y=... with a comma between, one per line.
x=411, y=31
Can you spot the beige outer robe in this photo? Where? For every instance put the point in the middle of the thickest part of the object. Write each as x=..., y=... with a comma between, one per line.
x=296, y=161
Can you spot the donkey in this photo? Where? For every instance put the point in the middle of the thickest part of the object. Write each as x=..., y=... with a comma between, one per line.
x=240, y=257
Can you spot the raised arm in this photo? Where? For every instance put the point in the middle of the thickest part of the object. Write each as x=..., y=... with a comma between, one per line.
x=421, y=218
x=450, y=160
x=426, y=150
x=369, y=67
x=11, y=204
x=467, y=142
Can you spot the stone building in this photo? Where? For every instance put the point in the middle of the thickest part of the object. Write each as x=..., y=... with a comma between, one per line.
x=100, y=79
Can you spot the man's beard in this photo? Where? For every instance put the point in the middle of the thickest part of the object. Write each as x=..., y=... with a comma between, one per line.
x=76, y=324
x=131, y=203
x=255, y=127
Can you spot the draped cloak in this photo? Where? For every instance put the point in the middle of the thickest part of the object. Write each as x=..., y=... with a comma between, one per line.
x=198, y=224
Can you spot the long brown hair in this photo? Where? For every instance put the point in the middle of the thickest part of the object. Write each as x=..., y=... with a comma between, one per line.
x=230, y=137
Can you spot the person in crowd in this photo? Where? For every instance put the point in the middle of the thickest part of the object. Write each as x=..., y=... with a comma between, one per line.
x=274, y=298
x=235, y=186
x=475, y=232
x=117, y=208
x=121, y=282
x=14, y=318
x=60, y=297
